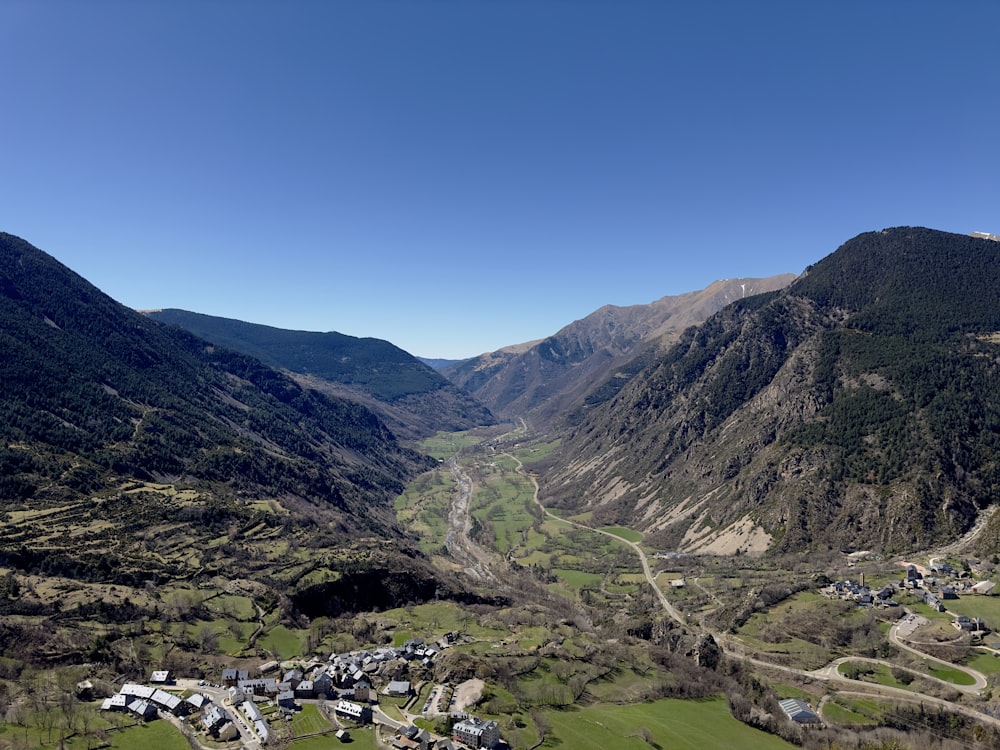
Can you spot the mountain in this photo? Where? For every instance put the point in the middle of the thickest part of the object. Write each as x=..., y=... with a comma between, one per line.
x=408, y=395
x=158, y=453
x=437, y=363
x=542, y=380
x=857, y=408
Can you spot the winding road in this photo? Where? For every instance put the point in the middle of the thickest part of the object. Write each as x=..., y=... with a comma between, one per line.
x=477, y=560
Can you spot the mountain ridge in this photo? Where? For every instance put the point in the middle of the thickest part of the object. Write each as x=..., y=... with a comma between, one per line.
x=407, y=394
x=856, y=406
x=544, y=379
x=102, y=407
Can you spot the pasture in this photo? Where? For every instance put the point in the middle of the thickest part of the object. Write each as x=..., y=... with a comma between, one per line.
x=667, y=723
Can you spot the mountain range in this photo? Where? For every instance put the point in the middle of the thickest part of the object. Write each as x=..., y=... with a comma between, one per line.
x=857, y=408
x=541, y=381
x=410, y=397
x=132, y=438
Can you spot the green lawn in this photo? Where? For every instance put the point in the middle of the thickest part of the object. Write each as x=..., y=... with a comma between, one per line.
x=282, y=642
x=972, y=605
x=577, y=579
x=671, y=723
x=954, y=676
x=986, y=662
x=309, y=721
x=627, y=534
x=877, y=673
x=361, y=739
x=838, y=714
x=157, y=735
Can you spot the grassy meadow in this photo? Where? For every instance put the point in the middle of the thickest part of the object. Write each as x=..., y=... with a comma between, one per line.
x=675, y=724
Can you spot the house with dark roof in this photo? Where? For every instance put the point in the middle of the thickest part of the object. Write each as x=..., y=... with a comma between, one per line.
x=214, y=718
x=398, y=688
x=230, y=677
x=304, y=690
x=143, y=709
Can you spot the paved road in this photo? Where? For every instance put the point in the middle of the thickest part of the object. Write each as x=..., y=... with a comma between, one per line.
x=827, y=673
x=896, y=639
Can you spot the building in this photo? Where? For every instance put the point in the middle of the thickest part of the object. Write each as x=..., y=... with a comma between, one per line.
x=215, y=718
x=799, y=711
x=230, y=677
x=398, y=688
x=143, y=709
x=197, y=701
x=354, y=711
x=477, y=733
x=305, y=690
x=160, y=677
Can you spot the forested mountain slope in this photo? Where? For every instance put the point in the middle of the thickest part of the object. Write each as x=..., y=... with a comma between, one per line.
x=543, y=380
x=128, y=435
x=410, y=396
x=858, y=408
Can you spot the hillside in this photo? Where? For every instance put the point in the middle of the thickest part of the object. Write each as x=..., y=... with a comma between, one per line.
x=160, y=454
x=857, y=408
x=408, y=395
x=542, y=380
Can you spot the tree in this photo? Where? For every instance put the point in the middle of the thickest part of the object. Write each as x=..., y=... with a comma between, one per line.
x=208, y=639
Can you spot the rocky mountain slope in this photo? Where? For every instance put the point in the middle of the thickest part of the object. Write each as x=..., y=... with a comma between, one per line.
x=139, y=441
x=408, y=395
x=542, y=380
x=857, y=408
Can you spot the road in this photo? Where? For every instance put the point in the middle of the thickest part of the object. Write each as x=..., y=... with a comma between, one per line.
x=828, y=673
x=980, y=679
x=643, y=560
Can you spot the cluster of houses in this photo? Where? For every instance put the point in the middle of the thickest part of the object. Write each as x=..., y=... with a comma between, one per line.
x=146, y=701
x=861, y=594
x=346, y=678
x=929, y=589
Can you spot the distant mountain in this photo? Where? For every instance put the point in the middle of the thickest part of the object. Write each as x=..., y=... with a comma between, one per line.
x=857, y=408
x=542, y=380
x=438, y=364
x=134, y=438
x=410, y=396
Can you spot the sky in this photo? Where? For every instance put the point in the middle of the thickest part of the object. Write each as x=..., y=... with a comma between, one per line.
x=456, y=176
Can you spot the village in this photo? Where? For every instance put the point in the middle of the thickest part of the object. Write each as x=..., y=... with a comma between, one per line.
x=933, y=585
x=244, y=706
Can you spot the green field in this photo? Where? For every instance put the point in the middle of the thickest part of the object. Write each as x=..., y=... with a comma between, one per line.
x=282, y=642
x=360, y=739
x=954, y=676
x=850, y=713
x=627, y=534
x=157, y=735
x=986, y=662
x=446, y=444
x=987, y=607
x=669, y=723
x=309, y=721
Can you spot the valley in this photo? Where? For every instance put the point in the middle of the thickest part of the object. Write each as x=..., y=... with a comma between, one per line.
x=771, y=528
x=592, y=620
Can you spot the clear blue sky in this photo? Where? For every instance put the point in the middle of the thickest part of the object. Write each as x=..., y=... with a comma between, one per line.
x=456, y=176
